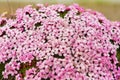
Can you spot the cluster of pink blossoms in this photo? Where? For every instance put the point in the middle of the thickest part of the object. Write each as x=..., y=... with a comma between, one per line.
x=59, y=42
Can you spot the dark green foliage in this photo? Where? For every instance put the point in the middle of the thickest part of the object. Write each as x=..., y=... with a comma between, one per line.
x=26, y=66
x=118, y=53
x=112, y=41
x=58, y=56
x=37, y=25
x=78, y=13
x=45, y=79
x=62, y=14
x=2, y=68
x=3, y=22
x=3, y=33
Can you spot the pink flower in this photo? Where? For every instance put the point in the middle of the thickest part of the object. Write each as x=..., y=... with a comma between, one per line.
x=59, y=42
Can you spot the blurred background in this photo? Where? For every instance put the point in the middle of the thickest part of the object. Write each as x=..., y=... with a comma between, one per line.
x=110, y=8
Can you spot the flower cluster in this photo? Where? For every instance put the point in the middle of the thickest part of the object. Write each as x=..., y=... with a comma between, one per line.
x=59, y=42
